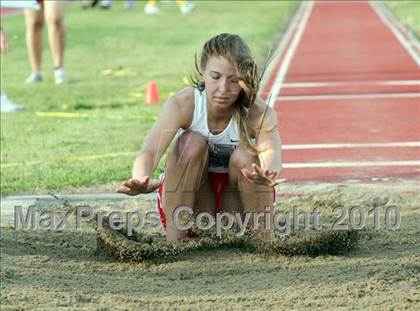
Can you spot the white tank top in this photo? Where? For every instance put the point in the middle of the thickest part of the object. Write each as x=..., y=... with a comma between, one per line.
x=220, y=145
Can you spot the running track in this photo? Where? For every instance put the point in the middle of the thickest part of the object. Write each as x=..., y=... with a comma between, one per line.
x=345, y=83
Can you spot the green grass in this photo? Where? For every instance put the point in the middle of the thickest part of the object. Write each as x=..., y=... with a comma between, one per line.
x=408, y=12
x=110, y=56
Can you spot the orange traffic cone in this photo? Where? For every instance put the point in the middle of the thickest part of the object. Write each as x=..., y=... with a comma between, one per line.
x=152, y=93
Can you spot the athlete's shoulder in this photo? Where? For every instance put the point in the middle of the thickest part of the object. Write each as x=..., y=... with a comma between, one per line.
x=182, y=103
x=186, y=94
x=184, y=98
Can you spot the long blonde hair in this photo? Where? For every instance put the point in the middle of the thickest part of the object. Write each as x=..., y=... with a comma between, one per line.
x=236, y=51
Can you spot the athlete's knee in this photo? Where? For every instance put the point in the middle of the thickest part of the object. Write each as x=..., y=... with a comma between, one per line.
x=54, y=20
x=35, y=23
x=241, y=158
x=191, y=146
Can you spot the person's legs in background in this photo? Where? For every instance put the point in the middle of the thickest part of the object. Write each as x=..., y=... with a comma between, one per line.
x=7, y=105
x=151, y=7
x=89, y=4
x=34, y=27
x=54, y=16
x=185, y=6
x=130, y=4
x=106, y=4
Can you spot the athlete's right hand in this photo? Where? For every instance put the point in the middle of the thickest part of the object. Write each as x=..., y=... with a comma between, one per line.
x=137, y=186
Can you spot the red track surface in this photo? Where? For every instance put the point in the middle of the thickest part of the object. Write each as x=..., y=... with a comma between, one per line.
x=372, y=88
x=9, y=11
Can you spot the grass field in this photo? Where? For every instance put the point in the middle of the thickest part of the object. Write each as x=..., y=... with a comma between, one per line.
x=408, y=12
x=87, y=132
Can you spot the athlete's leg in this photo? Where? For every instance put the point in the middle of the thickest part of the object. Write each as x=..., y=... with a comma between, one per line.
x=254, y=198
x=231, y=202
x=205, y=197
x=54, y=16
x=34, y=27
x=185, y=174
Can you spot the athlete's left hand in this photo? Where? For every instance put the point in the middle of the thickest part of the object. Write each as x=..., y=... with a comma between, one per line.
x=260, y=176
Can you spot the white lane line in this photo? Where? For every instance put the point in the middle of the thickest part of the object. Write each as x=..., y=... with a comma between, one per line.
x=404, y=144
x=407, y=46
x=400, y=82
x=283, y=43
x=349, y=83
x=275, y=89
x=351, y=164
x=349, y=96
x=404, y=30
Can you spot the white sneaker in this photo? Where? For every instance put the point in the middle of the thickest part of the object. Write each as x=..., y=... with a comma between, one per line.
x=151, y=9
x=106, y=4
x=60, y=76
x=35, y=77
x=187, y=7
x=8, y=106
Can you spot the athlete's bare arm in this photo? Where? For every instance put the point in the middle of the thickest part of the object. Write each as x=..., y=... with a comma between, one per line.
x=268, y=145
x=176, y=113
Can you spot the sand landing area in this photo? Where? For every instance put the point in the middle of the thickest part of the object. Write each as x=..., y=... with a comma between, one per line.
x=63, y=269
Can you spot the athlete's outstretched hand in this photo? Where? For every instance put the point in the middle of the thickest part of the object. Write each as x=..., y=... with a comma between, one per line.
x=138, y=186
x=259, y=176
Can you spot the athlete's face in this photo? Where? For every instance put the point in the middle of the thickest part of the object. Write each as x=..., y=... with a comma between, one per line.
x=221, y=81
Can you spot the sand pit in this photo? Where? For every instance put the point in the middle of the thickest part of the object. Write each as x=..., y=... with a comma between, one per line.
x=62, y=270
x=143, y=247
